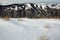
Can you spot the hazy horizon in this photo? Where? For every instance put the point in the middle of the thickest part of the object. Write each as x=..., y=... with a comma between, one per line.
x=26, y=1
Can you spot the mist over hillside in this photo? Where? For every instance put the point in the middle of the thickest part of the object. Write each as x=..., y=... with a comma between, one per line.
x=6, y=2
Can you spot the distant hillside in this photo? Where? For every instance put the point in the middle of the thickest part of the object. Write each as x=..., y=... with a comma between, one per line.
x=30, y=10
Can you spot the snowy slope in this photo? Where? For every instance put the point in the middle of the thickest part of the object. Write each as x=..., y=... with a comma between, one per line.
x=30, y=29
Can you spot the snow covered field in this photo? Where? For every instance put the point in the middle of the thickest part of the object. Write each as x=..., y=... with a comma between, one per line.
x=30, y=29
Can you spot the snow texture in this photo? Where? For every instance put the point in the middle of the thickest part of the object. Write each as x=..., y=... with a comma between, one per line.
x=30, y=29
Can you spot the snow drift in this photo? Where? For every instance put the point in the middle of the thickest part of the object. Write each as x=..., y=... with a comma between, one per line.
x=30, y=29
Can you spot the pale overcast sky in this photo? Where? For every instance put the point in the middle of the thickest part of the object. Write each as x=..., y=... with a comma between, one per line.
x=25, y=1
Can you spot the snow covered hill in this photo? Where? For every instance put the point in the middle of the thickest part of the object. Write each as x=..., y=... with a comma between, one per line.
x=30, y=29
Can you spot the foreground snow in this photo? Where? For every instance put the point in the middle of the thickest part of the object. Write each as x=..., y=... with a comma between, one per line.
x=30, y=29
